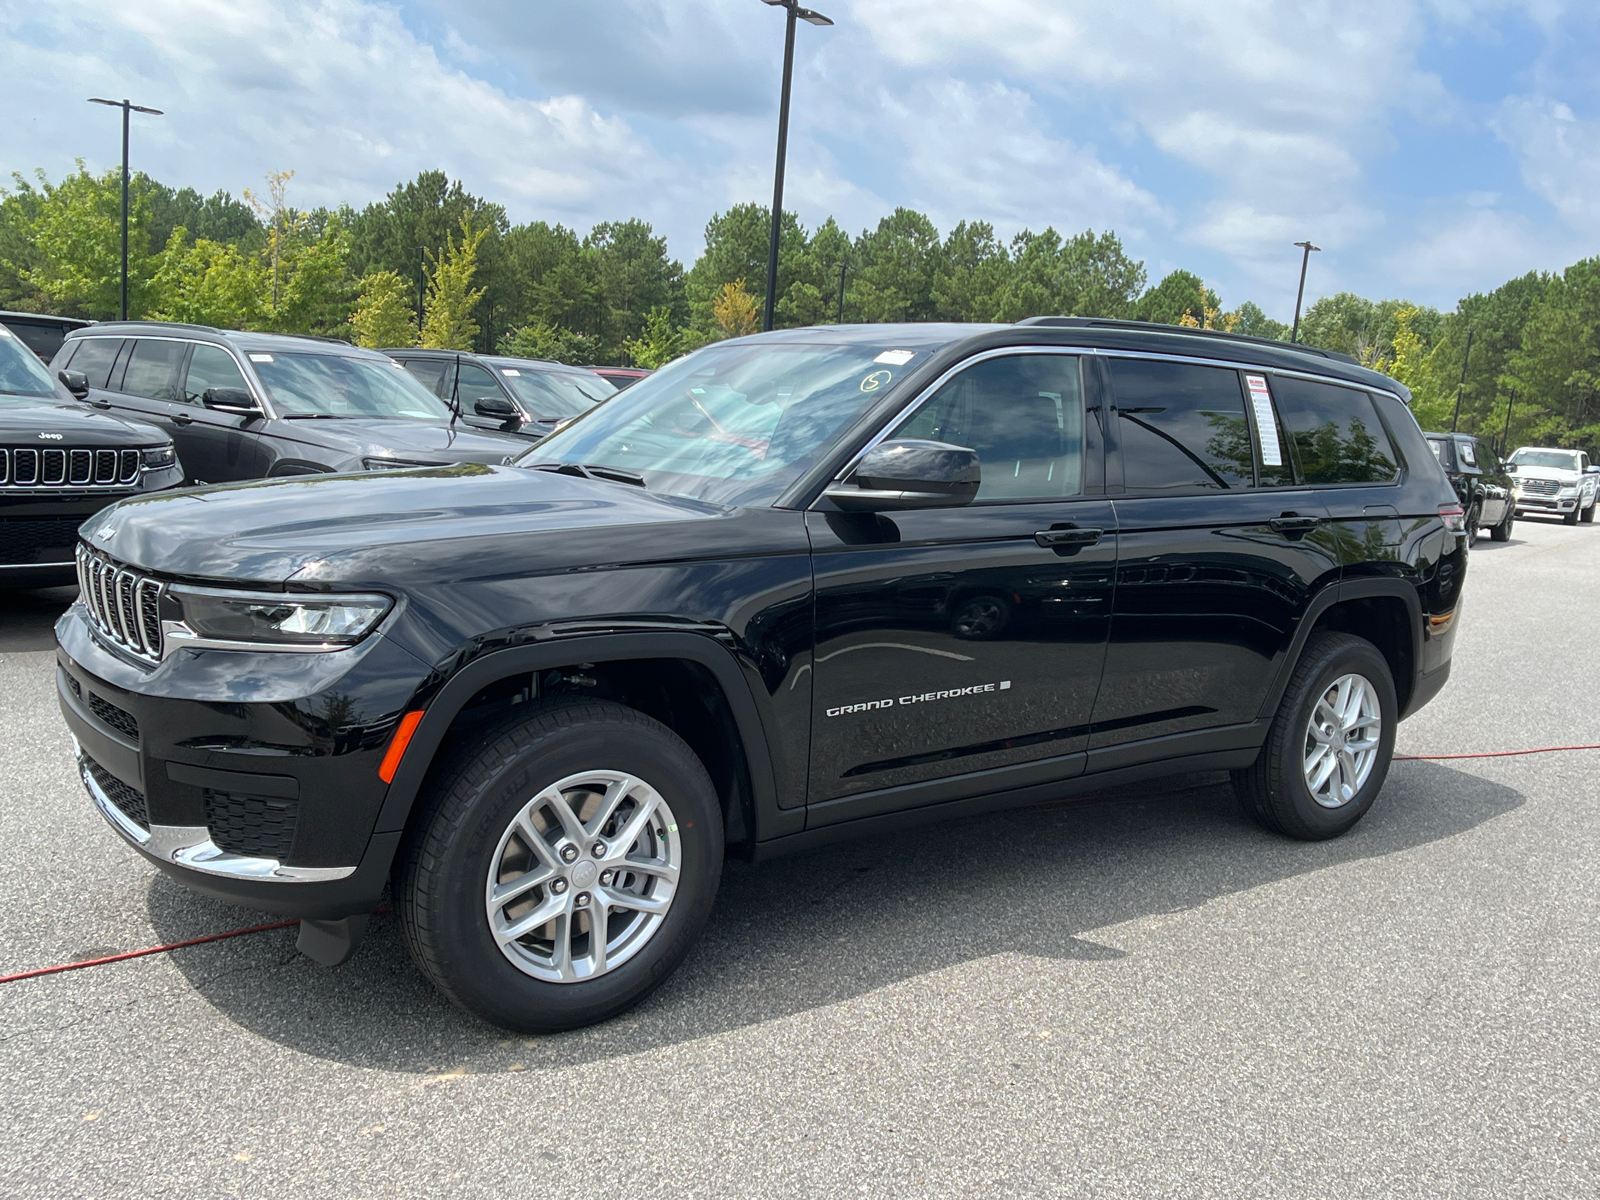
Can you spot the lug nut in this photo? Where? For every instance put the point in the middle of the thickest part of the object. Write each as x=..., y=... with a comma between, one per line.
x=581, y=900
x=568, y=853
x=557, y=886
x=598, y=849
x=606, y=877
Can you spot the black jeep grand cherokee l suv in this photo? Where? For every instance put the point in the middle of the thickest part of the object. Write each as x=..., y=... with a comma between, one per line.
x=792, y=588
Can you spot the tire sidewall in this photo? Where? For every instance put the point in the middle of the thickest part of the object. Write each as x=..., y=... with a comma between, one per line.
x=481, y=976
x=1345, y=656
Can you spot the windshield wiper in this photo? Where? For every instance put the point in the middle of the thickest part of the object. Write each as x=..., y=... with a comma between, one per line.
x=590, y=471
x=315, y=417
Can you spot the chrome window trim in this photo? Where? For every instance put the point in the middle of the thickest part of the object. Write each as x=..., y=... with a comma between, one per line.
x=190, y=846
x=257, y=388
x=929, y=390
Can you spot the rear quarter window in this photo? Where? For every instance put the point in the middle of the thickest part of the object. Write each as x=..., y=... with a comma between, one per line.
x=1335, y=433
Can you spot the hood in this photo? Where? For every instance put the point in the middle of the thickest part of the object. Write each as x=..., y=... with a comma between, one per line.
x=389, y=525
x=1556, y=473
x=21, y=425
x=423, y=440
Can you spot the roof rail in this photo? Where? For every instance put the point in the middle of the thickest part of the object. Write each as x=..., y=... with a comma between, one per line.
x=1183, y=330
x=163, y=324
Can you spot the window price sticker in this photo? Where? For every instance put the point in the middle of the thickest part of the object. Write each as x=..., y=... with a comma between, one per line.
x=1261, y=398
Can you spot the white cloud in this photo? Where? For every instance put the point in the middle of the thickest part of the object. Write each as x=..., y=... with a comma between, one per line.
x=1559, y=152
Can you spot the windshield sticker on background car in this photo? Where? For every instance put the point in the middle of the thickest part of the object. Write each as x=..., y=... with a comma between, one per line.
x=876, y=380
x=895, y=358
x=976, y=689
x=509, y=371
x=1261, y=399
x=261, y=358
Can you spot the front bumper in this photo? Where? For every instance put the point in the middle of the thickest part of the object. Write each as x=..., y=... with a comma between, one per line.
x=255, y=801
x=1546, y=504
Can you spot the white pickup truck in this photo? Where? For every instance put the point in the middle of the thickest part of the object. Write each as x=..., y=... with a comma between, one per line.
x=1552, y=482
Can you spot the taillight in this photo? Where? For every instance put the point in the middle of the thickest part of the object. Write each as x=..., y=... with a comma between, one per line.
x=1454, y=517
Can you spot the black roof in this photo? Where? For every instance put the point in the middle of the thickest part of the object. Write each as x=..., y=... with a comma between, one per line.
x=243, y=339
x=44, y=318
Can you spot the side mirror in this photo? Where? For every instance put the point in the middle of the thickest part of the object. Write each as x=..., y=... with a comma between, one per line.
x=231, y=400
x=909, y=473
x=75, y=382
x=497, y=407
x=1511, y=468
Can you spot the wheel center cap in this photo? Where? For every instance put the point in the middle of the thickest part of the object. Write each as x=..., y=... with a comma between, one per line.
x=584, y=872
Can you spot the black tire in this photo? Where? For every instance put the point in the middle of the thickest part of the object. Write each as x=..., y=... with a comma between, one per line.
x=445, y=864
x=1570, y=518
x=1474, y=516
x=1273, y=790
x=1502, y=531
x=1587, y=515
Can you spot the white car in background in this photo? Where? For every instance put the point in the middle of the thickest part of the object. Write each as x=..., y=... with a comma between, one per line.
x=1554, y=482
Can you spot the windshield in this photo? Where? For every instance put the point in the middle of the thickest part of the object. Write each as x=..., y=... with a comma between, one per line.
x=559, y=394
x=1560, y=460
x=334, y=385
x=21, y=372
x=730, y=424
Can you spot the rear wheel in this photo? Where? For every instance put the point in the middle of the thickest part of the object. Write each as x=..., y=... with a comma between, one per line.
x=1329, y=748
x=563, y=867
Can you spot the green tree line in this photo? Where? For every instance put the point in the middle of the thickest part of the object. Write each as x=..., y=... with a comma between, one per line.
x=431, y=263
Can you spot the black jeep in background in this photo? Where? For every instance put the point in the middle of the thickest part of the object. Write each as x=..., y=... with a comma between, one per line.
x=525, y=396
x=60, y=463
x=1481, y=483
x=795, y=588
x=255, y=405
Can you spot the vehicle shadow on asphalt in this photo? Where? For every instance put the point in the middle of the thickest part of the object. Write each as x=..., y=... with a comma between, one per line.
x=30, y=618
x=804, y=932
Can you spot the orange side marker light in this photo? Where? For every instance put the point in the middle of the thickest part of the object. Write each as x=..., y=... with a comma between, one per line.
x=397, y=745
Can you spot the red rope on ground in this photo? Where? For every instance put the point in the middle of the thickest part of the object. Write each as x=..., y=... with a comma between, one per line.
x=111, y=958
x=1485, y=754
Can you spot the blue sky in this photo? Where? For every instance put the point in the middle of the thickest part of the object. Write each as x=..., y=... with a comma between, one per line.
x=1432, y=147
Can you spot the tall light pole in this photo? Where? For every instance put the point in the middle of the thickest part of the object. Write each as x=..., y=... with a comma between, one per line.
x=792, y=10
x=126, y=107
x=1305, y=259
x=1465, y=359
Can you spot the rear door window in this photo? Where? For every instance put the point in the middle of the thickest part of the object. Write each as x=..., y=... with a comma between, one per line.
x=1334, y=433
x=1182, y=426
x=94, y=357
x=153, y=369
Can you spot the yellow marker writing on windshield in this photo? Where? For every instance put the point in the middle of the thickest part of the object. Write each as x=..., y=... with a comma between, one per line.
x=875, y=381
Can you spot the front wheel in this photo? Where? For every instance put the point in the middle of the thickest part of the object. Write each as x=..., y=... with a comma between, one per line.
x=1328, y=751
x=1502, y=531
x=1570, y=518
x=563, y=867
x=1474, y=517
x=1587, y=515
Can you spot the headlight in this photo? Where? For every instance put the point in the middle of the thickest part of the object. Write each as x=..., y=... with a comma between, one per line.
x=394, y=464
x=272, y=620
x=157, y=457
x=1569, y=491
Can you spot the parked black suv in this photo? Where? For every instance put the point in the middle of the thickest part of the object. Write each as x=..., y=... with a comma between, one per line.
x=41, y=332
x=735, y=608
x=1480, y=481
x=60, y=463
x=254, y=405
x=525, y=396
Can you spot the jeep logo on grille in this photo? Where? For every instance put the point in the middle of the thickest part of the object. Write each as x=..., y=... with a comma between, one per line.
x=51, y=437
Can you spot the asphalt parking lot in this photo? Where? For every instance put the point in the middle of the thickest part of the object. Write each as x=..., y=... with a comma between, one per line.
x=1142, y=995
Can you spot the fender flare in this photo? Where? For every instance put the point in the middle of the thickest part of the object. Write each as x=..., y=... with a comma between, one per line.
x=1349, y=589
x=448, y=701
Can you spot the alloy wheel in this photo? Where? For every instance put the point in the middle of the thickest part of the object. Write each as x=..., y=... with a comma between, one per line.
x=1341, y=744
x=583, y=876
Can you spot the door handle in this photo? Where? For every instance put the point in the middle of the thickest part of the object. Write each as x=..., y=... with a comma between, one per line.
x=1292, y=523
x=1068, y=540
x=182, y=419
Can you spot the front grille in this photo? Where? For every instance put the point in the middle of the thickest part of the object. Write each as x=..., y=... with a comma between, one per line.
x=124, y=605
x=129, y=799
x=255, y=826
x=67, y=467
x=120, y=719
x=1538, y=487
x=38, y=539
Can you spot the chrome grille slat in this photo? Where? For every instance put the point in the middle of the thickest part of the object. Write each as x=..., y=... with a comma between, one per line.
x=84, y=467
x=124, y=605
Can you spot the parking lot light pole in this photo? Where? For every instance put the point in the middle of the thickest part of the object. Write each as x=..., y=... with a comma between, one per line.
x=126, y=107
x=792, y=10
x=1465, y=359
x=1505, y=437
x=1305, y=260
